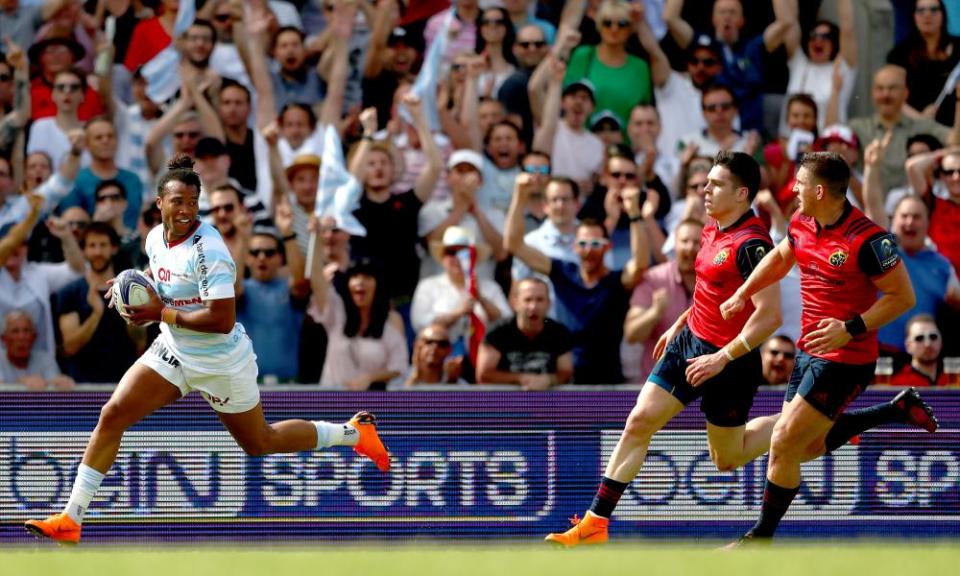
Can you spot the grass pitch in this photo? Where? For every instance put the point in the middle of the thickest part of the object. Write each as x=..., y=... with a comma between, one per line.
x=851, y=559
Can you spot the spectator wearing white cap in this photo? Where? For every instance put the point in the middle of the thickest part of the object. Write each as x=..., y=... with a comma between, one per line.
x=444, y=299
x=463, y=209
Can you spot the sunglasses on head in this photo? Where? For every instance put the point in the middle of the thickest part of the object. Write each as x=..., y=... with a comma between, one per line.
x=595, y=244
x=610, y=22
x=719, y=106
x=541, y=170
x=268, y=252
x=929, y=336
x=532, y=44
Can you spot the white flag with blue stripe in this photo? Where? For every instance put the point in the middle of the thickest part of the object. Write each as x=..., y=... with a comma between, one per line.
x=338, y=194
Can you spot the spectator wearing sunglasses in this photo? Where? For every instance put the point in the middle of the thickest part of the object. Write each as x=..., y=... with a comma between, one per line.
x=934, y=279
x=743, y=58
x=111, y=203
x=271, y=303
x=621, y=80
x=50, y=134
x=592, y=299
x=529, y=49
x=432, y=362
x=52, y=56
x=778, y=355
x=721, y=110
x=924, y=344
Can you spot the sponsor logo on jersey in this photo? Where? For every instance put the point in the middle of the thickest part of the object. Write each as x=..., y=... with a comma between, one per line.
x=161, y=351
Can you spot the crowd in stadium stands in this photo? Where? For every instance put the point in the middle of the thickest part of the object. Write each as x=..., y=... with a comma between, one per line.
x=501, y=151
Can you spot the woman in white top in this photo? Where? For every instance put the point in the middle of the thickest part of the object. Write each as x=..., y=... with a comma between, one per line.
x=812, y=65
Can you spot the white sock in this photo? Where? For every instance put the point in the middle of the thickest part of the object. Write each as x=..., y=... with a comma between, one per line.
x=84, y=487
x=335, y=434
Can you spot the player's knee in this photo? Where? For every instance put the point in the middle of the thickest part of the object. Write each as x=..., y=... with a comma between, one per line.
x=113, y=418
x=723, y=462
x=782, y=442
x=640, y=427
x=255, y=446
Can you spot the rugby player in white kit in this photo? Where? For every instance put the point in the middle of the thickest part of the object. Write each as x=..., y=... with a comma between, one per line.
x=200, y=347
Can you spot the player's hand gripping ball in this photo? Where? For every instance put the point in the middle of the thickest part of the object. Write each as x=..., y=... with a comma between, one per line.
x=131, y=288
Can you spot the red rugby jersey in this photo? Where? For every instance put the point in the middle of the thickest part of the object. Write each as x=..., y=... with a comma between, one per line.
x=945, y=229
x=725, y=261
x=837, y=264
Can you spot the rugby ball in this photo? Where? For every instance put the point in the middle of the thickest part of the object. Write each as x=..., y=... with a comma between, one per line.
x=131, y=288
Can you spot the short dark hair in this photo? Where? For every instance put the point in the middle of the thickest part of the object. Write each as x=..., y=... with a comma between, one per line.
x=743, y=168
x=179, y=169
x=103, y=229
x=111, y=183
x=227, y=187
x=535, y=280
x=568, y=182
x=593, y=223
x=782, y=338
x=829, y=170
x=539, y=153
x=719, y=87
x=804, y=99
x=932, y=142
x=917, y=318
x=508, y=124
x=228, y=83
x=205, y=24
x=282, y=30
x=311, y=115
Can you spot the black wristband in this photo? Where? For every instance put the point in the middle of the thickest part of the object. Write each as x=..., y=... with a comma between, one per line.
x=636, y=218
x=855, y=326
x=290, y=237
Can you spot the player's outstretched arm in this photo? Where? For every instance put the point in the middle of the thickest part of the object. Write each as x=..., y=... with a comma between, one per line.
x=771, y=269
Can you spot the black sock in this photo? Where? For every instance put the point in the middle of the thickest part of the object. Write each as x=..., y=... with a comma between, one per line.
x=854, y=422
x=776, y=501
x=608, y=494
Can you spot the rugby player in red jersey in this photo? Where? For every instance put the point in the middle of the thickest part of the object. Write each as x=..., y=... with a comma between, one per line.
x=844, y=260
x=702, y=355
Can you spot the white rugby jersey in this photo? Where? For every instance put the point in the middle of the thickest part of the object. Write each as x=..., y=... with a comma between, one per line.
x=187, y=273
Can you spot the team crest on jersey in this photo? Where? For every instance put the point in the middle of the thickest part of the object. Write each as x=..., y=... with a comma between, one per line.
x=838, y=258
x=721, y=257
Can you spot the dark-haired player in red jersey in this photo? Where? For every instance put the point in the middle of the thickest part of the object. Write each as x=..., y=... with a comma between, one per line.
x=844, y=260
x=702, y=355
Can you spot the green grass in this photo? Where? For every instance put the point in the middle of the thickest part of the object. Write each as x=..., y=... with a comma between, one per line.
x=852, y=559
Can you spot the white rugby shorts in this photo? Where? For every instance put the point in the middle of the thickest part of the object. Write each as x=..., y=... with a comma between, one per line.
x=229, y=392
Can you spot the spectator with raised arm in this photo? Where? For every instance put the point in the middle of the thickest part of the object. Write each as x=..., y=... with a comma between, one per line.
x=621, y=80
x=929, y=55
x=829, y=51
x=592, y=300
x=944, y=212
x=98, y=346
x=889, y=96
x=743, y=67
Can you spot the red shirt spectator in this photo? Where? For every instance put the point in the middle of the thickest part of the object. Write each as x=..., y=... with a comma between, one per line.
x=41, y=94
x=910, y=376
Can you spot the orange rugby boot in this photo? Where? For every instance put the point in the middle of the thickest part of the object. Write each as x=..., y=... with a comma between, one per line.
x=591, y=530
x=59, y=527
x=370, y=444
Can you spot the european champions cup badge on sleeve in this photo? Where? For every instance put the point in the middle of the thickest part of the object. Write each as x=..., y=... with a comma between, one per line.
x=885, y=248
